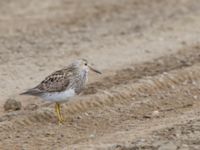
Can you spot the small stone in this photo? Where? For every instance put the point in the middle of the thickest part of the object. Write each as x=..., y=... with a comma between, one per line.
x=194, y=83
x=31, y=107
x=155, y=113
x=49, y=134
x=78, y=117
x=168, y=146
x=86, y=114
x=12, y=105
x=92, y=135
x=195, y=97
x=185, y=147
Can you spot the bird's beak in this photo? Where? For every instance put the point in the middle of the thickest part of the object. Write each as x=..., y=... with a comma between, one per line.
x=91, y=68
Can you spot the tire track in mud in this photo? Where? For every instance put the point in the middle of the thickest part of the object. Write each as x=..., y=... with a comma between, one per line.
x=185, y=57
x=184, y=134
x=109, y=120
x=144, y=134
x=144, y=80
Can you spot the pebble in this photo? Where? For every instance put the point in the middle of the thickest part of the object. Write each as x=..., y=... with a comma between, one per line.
x=31, y=107
x=92, y=136
x=12, y=105
x=195, y=97
x=155, y=113
x=168, y=146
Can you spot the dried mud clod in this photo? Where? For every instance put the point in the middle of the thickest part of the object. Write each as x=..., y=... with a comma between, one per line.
x=12, y=105
x=31, y=107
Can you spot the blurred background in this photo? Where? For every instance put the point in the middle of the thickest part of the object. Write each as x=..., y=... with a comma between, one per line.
x=38, y=37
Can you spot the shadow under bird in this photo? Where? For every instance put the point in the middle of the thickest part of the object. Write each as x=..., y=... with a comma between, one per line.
x=63, y=84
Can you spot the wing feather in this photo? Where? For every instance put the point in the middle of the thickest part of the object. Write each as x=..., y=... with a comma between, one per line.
x=56, y=82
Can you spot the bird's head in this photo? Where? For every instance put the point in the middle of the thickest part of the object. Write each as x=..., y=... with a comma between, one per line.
x=83, y=65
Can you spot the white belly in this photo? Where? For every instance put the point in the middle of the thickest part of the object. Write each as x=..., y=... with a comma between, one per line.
x=59, y=96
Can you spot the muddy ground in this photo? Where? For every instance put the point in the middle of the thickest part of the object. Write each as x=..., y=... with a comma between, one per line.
x=148, y=96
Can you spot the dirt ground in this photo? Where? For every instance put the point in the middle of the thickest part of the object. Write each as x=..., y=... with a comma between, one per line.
x=148, y=95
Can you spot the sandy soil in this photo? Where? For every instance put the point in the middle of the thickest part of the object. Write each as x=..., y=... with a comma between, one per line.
x=148, y=95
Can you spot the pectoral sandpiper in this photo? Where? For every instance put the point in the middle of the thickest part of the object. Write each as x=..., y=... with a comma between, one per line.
x=63, y=84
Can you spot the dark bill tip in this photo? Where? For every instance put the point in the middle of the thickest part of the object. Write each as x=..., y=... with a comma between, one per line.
x=94, y=70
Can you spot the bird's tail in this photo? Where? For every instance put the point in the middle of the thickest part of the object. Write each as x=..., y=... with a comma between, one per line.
x=33, y=91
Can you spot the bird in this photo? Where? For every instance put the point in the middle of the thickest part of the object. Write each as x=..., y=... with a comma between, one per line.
x=63, y=84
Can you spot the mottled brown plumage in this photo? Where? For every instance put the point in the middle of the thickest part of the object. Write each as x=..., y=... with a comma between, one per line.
x=63, y=84
x=56, y=82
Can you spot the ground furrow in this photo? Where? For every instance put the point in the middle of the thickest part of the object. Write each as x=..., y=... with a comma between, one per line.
x=117, y=95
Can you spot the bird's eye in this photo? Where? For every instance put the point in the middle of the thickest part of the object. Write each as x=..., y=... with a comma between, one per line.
x=85, y=64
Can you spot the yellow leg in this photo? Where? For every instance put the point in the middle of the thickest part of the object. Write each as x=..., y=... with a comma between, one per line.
x=58, y=112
